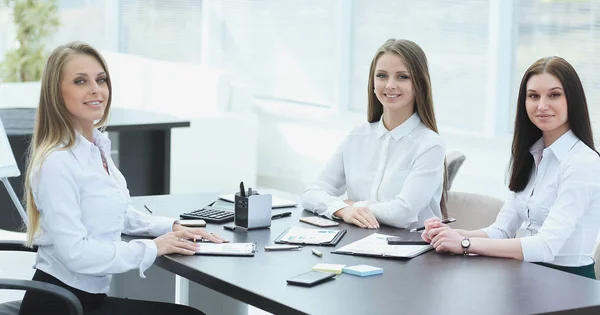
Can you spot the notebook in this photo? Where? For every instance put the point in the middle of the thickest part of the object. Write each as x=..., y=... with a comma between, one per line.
x=308, y=236
x=277, y=202
x=376, y=245
x=226, y=249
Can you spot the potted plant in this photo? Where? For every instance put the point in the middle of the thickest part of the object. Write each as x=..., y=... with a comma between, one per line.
x=22, y=66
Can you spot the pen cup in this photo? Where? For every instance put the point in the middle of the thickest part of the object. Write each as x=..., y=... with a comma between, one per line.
x=253, y=212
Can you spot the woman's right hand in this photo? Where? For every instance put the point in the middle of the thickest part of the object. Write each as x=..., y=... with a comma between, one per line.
x=433, y=226
x=176, y=243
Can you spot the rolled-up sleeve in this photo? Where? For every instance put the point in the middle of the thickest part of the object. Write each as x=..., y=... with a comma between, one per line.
x=57, y=197
x=577, y=187
x=424, y=179
x=507, y=221
x=323, y=195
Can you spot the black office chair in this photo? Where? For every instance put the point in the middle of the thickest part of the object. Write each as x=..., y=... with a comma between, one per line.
x=12, y=308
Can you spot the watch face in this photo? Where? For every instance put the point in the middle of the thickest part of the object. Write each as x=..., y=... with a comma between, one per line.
x=465, y=243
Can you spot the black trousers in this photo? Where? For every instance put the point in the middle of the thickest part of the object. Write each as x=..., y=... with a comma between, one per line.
x=94, y=304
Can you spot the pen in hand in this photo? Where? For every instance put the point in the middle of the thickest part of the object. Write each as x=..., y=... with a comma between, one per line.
x=445, y=221
x=149, y=210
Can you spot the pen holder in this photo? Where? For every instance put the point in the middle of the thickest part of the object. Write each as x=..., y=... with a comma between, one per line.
x=253, y=212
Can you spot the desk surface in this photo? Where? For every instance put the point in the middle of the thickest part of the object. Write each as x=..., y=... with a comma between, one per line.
x=428, y=284
x=20, y=121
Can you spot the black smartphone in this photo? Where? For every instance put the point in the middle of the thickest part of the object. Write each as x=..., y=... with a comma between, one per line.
x=311, y=278
x=403, y=241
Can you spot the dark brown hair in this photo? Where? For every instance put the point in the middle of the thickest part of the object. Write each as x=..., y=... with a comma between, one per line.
x=526, y=133
x=416, y=63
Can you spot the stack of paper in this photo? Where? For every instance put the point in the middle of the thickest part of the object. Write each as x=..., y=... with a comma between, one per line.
x=363, y=270
x=334, y=268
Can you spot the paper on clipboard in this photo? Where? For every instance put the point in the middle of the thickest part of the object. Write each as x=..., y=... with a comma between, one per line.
x=309, y=236
x=226, y=249
x=376, y=245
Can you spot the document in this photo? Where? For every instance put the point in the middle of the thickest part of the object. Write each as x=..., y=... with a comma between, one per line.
x=376, y=245
x=226, y=249
x=308, y=236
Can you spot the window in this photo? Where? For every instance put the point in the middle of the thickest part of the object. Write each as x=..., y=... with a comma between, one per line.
x=285, y=50
x=161, y=29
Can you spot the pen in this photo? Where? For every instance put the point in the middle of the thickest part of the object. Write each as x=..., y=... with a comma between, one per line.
x=249, y=191
x=316, y=252
x=148, y=209
x=242, y=190
x=281, y=215
x=445, y=221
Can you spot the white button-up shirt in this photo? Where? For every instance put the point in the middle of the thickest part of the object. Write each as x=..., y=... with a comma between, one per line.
x=83, y=211
x=560, y=205
x=397, y=174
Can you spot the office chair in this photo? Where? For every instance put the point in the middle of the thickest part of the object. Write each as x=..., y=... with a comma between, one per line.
x=472, y=211
x=454, y=161
x=14, y=241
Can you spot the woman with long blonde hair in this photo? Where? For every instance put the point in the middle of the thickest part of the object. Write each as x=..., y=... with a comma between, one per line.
x=77, y=200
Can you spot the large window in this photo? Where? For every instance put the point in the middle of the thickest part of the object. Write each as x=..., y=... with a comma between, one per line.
x=284, y=50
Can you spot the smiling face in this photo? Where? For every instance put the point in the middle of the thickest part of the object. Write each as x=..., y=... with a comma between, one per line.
x=84, y=90
x=546, y=105
x=393, y=85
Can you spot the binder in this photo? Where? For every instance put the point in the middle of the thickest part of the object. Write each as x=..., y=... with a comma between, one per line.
x=375, y=245
x=227, y=249
x=299, y=233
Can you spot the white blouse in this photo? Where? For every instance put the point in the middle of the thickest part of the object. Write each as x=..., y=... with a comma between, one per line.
x=83, y=211
x=560, y=205
x=397, y=174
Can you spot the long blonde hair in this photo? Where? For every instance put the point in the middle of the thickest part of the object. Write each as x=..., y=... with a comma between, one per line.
x=416, y=63
x=53, y=123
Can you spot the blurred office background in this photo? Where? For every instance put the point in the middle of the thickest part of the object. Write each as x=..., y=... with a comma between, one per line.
x=305, y=64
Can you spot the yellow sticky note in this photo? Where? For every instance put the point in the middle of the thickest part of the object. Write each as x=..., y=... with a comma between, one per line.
x=335, y=268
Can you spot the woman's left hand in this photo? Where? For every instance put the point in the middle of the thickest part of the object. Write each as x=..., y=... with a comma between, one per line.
x=200, y=232
x=448, y=240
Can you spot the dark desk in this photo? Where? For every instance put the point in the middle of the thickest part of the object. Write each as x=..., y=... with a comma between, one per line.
x=143, y=140
x=428, y=284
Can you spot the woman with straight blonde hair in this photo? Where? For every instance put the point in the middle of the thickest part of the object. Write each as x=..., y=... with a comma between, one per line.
x=77, y=200
x=392, y=168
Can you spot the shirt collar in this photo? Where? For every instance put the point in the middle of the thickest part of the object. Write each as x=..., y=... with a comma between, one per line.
x=560, y=147
x=397, y=133
x=83, y=148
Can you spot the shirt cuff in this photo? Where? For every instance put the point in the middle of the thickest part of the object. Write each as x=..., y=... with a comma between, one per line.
x=150, y=251
x=334, y=206
x=493, y=232
x=161, y=226
x=532, y=247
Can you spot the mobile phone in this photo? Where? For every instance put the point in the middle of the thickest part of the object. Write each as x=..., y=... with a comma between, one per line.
x=269, y=248
x=192, y=222
x=318, y=221
x=311, y=278
x=403, y=241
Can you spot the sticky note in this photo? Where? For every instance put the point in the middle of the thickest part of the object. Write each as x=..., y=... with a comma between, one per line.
x=363, y=270
x=335, y=268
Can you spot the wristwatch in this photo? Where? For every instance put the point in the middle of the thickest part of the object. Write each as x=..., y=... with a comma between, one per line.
x=465, y=243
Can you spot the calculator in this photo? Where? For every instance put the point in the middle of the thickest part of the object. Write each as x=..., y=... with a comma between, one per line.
x=216, y=212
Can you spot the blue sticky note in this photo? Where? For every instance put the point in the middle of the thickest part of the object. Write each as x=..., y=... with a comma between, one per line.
x=363, y=270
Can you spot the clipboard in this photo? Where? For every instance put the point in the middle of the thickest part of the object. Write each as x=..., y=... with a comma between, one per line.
x=298, y=239
x=375, y=245
x=226, y=249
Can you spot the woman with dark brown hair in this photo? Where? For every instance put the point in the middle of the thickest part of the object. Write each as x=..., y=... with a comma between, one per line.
x=554, y=179
x=392, y=168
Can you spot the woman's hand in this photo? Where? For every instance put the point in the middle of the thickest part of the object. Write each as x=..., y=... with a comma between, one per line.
x=447, y=240
x=432, y=227
x=176, y=243
x=200, y=233
x=360, y=216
